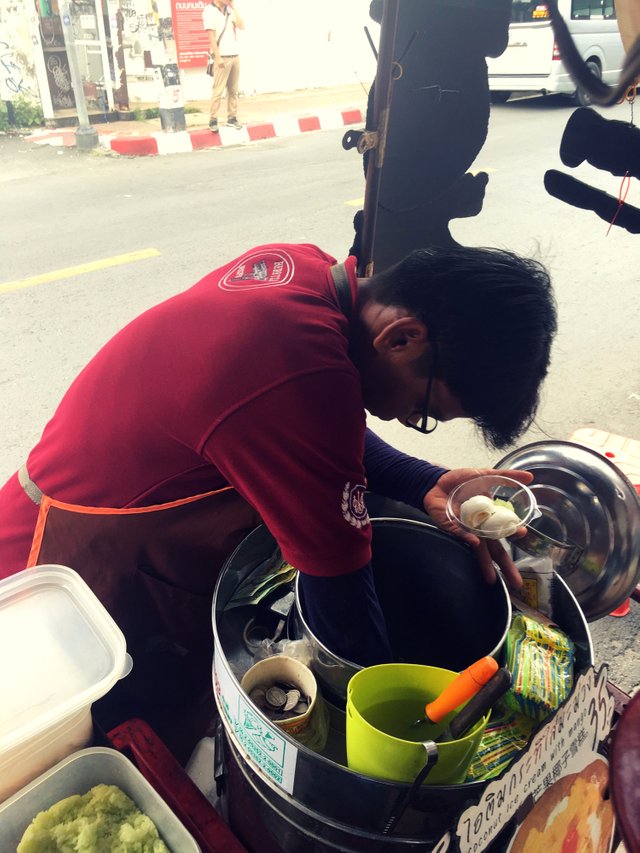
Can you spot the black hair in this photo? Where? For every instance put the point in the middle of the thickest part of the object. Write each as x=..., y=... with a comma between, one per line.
x=493, y=316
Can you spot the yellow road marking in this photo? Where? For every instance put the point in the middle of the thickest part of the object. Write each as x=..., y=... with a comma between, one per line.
x=355, y=202
x=68, y=272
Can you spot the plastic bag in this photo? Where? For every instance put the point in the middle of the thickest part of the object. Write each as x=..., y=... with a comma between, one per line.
x=540, y=659
x=537, y=575
x=504, y=738
x=299, y=650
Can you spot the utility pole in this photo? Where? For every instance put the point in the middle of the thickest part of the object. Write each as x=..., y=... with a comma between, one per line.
x=86, y=135
x=381, y=108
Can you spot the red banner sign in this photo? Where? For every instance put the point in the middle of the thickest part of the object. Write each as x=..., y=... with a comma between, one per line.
x=192, y=40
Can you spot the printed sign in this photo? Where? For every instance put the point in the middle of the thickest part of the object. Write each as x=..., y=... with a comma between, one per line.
x=260, y=743
x=88, y=22
x=192, y=40
x=559, y=782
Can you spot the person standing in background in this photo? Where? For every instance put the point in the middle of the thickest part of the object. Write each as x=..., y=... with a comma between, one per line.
x=221, y=20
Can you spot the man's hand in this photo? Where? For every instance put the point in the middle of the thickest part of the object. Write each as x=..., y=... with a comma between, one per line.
x=487, y=551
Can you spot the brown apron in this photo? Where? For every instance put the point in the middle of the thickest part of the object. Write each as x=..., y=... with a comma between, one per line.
x=154, y=568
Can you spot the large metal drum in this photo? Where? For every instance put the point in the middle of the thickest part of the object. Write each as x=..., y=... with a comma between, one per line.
x=438, y=609
x=328, y=807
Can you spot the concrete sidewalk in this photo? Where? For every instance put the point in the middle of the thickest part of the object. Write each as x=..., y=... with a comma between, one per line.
x=262, y=117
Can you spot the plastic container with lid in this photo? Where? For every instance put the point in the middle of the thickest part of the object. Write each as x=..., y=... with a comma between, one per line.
x=77, y=774
x=61, y=651
x=490, y=521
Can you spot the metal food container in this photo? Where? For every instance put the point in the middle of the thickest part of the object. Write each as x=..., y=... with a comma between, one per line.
x=438, y=608
x=589, y=523
x=77, y=774
x=323, y=805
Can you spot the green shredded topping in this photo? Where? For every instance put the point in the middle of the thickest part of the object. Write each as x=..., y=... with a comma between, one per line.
x=104, y=820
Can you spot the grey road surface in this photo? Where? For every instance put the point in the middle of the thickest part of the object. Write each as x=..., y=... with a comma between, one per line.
x=61, y=208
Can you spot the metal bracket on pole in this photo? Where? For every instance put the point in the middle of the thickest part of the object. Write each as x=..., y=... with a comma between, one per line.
x=362, y=140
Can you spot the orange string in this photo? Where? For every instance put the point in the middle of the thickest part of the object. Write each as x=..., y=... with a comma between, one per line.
x=622, y=194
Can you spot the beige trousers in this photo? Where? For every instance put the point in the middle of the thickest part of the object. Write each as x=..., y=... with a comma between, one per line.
x=225, y=77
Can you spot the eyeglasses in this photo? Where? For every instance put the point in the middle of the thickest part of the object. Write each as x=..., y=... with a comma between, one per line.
x=421, y=421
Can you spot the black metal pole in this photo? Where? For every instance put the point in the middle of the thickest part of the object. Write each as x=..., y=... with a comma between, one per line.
x=381, y=107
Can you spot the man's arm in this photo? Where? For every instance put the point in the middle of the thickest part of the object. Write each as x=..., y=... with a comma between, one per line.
x=395, y=474
x=295, y=453
x=214, y=50
x=344, y=614
x=427, y=487
x=236, y=20
x=209, y=25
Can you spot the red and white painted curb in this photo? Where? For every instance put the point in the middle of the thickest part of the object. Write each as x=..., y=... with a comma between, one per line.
x=132, y=144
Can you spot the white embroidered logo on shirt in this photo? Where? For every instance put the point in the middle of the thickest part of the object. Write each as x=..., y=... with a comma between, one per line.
x=271, y=268
x=354, y=509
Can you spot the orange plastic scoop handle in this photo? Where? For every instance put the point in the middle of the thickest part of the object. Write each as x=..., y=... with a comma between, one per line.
x=463, y=687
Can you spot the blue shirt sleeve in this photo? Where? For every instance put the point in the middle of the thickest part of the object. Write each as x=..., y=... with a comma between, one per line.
x=344, y=613
x=397, y=475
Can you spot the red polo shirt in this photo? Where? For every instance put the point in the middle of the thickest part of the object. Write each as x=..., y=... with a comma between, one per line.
x=244, y=379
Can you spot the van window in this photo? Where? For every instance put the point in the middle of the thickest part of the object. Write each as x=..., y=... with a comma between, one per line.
x=585, y=10
x=525, y=12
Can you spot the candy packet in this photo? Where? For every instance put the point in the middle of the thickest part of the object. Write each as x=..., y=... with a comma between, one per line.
x=506, y=735
x=540, y=659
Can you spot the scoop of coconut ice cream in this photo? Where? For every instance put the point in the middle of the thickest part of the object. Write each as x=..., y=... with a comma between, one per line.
x=502, y=522
x=475, y=511
x=494, y=519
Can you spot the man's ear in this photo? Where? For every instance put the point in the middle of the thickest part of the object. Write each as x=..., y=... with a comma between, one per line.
x=404, y=336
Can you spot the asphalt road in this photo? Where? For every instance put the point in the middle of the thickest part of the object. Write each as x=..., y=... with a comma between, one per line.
x=62, y=208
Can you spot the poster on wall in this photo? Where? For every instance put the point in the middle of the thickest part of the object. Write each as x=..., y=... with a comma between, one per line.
x=554, y=797
x=192, y=41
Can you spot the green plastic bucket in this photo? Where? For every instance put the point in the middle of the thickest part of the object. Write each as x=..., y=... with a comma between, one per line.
x=382, y=703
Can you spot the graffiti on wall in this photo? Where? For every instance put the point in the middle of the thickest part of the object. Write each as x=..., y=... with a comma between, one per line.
x=141, y=34
x=14, y=77
x=17, y=71
x=59, y=77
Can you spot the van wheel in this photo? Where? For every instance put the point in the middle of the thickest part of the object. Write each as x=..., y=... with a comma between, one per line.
x=500, y=97
x=582, y=98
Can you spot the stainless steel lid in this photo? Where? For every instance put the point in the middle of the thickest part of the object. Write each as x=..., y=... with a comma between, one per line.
x=592, y=512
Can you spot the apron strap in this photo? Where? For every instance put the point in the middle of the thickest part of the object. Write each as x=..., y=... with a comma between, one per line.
x=30, y=488
x=343, y=288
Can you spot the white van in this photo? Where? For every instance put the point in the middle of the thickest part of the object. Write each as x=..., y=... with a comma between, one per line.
x=532, y=63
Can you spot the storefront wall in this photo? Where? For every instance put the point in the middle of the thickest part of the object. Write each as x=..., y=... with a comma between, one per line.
x=286, y=45
x=18, y=73
x=123, y=44
x=297, y=44
x=34, y=63
x=144, y=43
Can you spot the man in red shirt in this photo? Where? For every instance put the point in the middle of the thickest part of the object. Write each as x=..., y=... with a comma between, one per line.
x=244, y=398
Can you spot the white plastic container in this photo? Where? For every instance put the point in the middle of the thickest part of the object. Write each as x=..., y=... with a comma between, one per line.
x=60, y=650
x=77, y=774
